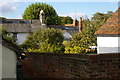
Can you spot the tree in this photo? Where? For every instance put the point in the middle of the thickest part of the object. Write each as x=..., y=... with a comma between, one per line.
x=33, y=10
x=2, y=18
x=66, y=20
x=2, y=30
x=83, y=40
x=48, y=40
x=100, y=18
x=4, y=34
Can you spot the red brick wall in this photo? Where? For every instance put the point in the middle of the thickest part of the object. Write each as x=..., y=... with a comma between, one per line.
x=51, y=65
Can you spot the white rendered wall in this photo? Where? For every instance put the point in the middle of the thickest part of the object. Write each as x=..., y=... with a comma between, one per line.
x=9, y=61
x=67, y=35
x=108, y=44
x=21, y=37
x=0, y=61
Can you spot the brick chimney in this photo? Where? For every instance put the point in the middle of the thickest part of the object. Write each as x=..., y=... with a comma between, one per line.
x=80, y=24
x=75, y=22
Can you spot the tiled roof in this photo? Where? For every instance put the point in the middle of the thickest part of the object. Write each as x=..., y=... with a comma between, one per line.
x=20, y=25
x=69, y=29
x=68, y=24
x=112, y=26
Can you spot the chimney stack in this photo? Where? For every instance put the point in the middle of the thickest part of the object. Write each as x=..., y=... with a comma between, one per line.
x=75, y=22
x=80, y=24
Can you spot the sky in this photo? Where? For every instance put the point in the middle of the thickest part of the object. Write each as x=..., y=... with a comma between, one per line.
x=13, y=9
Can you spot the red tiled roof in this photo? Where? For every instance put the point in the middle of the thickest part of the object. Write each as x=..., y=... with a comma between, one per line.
x=55, y=25
x=68, y=24
x=112, y=26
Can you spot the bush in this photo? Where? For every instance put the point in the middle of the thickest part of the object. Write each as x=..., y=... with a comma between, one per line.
x=48, y=40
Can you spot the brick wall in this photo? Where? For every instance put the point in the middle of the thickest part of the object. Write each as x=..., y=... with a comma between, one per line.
x=51, y=65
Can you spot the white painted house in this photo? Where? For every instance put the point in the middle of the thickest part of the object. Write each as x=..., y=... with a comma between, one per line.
x=20, y=28
x=10, y=59
x=108, y=36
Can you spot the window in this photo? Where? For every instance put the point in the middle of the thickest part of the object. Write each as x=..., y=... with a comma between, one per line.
x=15, y=35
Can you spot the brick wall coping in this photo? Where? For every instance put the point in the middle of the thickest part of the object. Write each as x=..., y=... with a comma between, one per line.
x=81, y=55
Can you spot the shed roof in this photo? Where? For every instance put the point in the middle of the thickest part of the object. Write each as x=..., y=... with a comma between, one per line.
x=112, y=25
x=11, y=46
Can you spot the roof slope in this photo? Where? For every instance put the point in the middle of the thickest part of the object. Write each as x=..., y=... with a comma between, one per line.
x=112, y=26
x=11, y=46
x=69, y=29
x=20, y=25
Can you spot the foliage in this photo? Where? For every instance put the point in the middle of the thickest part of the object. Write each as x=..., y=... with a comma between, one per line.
x=66, y=20
x=33, y=10
x=5, y=34
x=74, y=49
x=2, y=18
x=48, y=40
x=47, y=48
x=66, y=43
x=86, y=38
x=82, y=40
x=100, y=18
x=2, y=30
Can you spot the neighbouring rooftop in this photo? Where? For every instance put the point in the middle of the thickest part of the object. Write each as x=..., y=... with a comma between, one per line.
x=112, y=26
x=69, y=29
x=20, y=25
x=29, y=25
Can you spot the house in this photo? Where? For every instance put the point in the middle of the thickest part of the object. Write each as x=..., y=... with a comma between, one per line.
x=108, y=36
x=67, y=31
x=67, y=35
x=20, y=28
x=10, y=57
x=76, y=23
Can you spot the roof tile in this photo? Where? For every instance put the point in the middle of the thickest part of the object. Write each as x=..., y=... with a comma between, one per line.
x=112, y=26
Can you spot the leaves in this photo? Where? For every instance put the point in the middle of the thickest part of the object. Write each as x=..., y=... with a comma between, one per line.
x=33, y=10
x=74, y=50
x=4, y=34
x=48, y=40
x=66, y=20
x=83, y=40
x=2, y=30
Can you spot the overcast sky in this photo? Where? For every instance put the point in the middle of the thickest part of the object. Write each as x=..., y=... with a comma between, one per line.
x=74, y=8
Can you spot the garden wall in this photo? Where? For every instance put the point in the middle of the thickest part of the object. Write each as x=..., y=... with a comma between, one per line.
x=83, y=66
